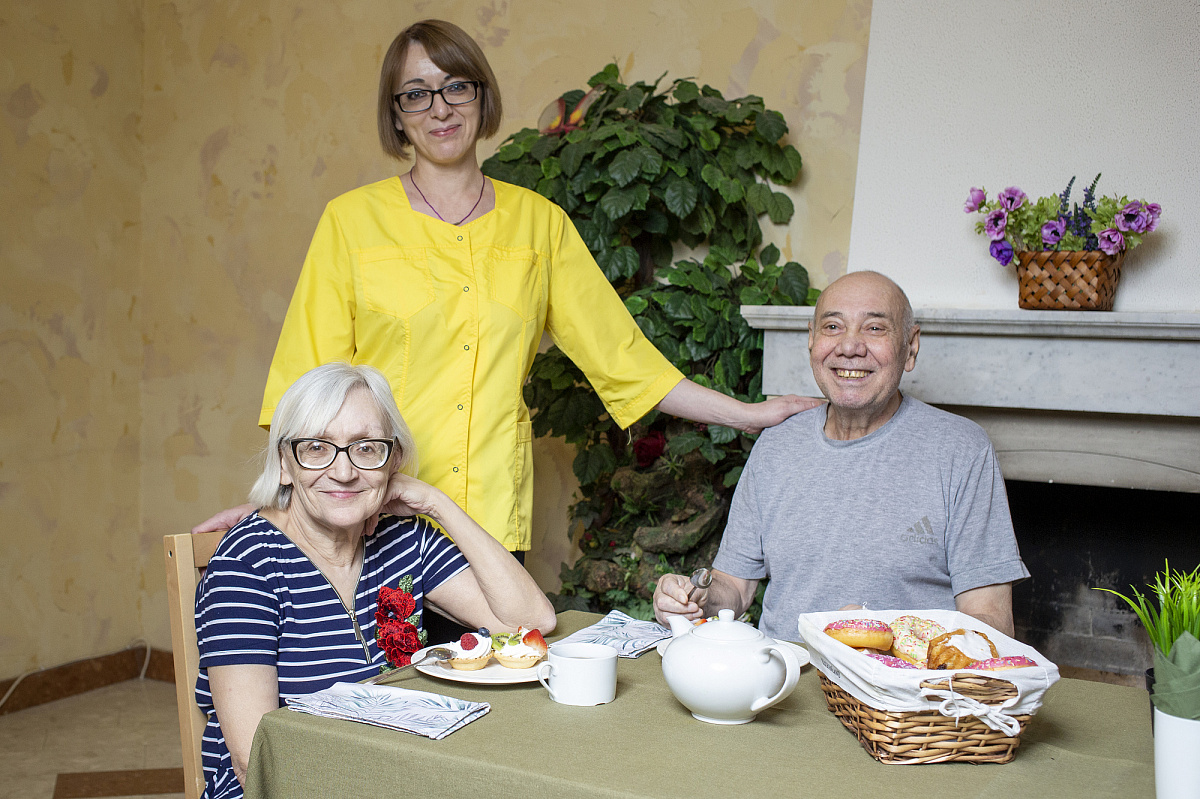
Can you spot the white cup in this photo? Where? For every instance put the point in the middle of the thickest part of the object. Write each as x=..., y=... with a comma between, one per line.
x=580, y=674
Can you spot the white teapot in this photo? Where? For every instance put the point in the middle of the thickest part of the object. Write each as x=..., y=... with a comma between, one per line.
x=726, y=671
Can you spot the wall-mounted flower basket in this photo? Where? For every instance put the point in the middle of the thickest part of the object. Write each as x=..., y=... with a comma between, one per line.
x=1081, y=280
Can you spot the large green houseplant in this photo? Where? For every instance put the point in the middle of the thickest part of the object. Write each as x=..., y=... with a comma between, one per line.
x=645, y=172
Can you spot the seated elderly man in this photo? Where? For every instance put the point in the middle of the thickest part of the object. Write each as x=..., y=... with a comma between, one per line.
x=875, y=499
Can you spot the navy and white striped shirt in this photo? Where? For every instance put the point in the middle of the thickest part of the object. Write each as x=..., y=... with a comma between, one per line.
x=262, y=601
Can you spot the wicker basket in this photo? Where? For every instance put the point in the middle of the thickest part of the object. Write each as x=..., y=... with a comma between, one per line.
x=913, y=738
x=1084, y=280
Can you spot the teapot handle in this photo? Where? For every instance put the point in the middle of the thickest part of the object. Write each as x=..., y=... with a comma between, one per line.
x=790, y=678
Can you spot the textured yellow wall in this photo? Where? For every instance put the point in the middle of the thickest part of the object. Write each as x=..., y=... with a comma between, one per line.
x=72, y=572
x=252, y=116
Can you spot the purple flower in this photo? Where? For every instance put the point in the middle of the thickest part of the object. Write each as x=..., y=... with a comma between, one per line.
x=1002, y=251
x=976, y=199
x=1111, y=241
x=1153, y=211
x=995, y=223
x=1011, y=198
x=1052, y=231
x=1133, y=217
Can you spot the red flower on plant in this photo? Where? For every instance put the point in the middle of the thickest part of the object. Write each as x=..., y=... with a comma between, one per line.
x=649, y=447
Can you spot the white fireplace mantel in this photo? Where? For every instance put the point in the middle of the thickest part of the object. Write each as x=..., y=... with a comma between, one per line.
x=1092, y=398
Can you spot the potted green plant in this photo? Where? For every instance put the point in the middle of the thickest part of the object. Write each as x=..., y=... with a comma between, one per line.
x=1068, y=256
x=644, y=171
x=1170, y=613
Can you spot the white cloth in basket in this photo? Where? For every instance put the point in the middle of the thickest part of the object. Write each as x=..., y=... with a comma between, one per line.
x=899, y=690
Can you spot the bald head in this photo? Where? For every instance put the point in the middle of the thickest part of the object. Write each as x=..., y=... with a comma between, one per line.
x=871, y=281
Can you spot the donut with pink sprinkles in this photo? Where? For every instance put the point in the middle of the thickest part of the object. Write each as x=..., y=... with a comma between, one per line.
x=861, y=633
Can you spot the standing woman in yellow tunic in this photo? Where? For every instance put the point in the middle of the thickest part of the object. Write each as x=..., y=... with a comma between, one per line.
x=445, y=280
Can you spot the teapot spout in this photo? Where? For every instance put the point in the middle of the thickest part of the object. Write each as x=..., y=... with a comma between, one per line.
x=679, y=625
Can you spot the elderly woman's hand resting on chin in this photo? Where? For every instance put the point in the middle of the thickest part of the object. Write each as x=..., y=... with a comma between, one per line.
x=287, y=606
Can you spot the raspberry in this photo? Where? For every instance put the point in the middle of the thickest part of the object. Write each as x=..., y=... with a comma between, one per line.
x=468, y=641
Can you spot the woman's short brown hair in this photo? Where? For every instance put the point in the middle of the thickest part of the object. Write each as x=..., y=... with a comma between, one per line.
x=451, y=49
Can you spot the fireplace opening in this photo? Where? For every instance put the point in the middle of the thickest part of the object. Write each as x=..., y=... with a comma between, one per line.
x=1076, y=538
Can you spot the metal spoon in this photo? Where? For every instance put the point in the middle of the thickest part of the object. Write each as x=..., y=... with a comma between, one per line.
x=438, y=654
x=701, y=578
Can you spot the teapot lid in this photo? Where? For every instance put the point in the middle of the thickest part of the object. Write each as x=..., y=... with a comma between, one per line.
x=724, y=628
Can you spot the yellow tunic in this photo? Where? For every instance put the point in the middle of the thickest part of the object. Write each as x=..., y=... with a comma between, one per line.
x=453, y=317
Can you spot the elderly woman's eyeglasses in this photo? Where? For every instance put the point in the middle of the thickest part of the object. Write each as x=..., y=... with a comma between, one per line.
x=458, y=93
x=317, y=453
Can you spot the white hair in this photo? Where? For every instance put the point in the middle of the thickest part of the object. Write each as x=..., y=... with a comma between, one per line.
x=309, y=406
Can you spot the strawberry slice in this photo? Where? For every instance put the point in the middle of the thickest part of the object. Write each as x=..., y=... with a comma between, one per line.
x=534, y=640
x=468, y=642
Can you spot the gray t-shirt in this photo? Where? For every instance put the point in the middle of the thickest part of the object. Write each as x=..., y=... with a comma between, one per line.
x=904, y=518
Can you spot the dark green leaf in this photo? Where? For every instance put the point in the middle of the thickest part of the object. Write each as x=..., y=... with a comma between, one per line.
x=732, y=476
x=675, y=305
x=780, y=208
x=731, y=190
x=571, y=157
x=625, y=167
x=721, y=434
x=680, y=197
x=759, y=196
x=709, y=140
x=656, y=222
x=793, y=282
x=769, y=256
x=712, y=175
x=544, y=147
x=710, y=452
x=686, y=92
x=593, y=462
x=609, y=76
x=685, y=442
x=652, y=161
x=551, y=168
x=771, y=126
x=792, y=162
x=752, y=295
x=510, y=152
x=714, y=105
x=617, y=202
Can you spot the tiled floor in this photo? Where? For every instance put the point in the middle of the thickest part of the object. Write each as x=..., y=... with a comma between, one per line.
x=131, y=725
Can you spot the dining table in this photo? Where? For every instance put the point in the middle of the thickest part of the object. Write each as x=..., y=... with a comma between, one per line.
x=1089, y=739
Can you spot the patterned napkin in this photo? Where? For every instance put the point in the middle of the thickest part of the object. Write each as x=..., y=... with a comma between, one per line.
x=401, y=709
x=629, y=636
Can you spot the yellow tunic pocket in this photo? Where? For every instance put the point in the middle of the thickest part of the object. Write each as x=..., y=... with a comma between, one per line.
x=395, y=282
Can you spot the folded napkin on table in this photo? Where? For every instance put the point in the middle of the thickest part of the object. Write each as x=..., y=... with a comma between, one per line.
x=629, y=636
x=418, y=712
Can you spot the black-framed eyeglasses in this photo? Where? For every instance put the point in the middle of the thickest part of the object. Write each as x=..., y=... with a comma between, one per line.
x=460, y=92
x=317, y=453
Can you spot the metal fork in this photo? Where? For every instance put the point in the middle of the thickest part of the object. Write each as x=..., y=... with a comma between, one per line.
x=438, y=654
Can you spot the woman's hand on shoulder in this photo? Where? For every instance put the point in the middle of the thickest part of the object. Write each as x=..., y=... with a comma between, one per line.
x=768, y=413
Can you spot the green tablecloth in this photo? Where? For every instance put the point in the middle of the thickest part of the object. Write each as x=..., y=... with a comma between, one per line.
x=1089, y=739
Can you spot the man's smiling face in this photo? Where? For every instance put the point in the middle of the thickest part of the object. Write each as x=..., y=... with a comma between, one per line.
x=858, y=343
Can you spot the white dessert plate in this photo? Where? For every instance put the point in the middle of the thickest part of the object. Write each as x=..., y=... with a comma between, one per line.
x=491, y=674
x=801, y=653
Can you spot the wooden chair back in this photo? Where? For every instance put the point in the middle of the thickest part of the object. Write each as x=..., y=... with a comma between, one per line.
x=187, y=557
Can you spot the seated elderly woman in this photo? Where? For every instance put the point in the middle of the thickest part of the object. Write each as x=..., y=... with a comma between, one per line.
x=287, y=606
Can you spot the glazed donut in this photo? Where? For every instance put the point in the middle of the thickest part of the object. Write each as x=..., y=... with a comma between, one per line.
x=861, y=633
x=912, y=637
x=893, y=662
x=958, y=649
x=1000, y=664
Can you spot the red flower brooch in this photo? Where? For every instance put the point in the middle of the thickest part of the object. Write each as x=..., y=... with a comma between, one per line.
x=396, y=621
